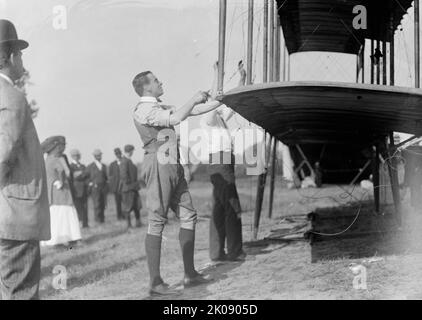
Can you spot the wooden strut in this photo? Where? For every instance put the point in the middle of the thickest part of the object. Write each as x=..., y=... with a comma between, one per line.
x=305, y=161
x=273, y=174
x=376, y=177
x=361, y=171
x=273, y=74
x=394, y=178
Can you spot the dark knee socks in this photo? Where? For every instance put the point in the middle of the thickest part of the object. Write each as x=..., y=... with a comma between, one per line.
x=153, y=251
x=187, y=244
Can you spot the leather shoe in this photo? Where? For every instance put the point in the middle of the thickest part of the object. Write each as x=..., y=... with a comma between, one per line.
x=163, y=290
x=198, y=280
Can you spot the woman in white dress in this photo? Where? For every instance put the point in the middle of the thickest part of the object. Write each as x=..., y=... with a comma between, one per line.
x=65, y=228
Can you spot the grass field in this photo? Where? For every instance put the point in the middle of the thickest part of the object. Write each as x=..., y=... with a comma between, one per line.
x=111, y=264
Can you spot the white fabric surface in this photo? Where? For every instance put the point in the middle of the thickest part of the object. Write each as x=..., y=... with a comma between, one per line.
x=64, y=225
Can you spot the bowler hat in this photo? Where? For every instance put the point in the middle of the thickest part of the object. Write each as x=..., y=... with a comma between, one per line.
x=75, y=152
x=129, y=148
x=9, y=36
x=97, y=152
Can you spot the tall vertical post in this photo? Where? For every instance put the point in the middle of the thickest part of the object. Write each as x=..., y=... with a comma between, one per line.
x=378, y=64
x=250, y=43
x=372, y=61
x=392, y=52
x=384, y=62
x=277, y=57
x=273, y=174
x=357, y=67
x=265, y=45
x=363, y=61
x=417, y=46
x=277, y=54
x=394, y=178
x=376, y=177
x=262, y=177
x=271, y=37
x=222, y=44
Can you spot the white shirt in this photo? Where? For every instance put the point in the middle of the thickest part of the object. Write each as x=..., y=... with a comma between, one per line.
x=151, y=112
x=98, y=164
x=218, y=133
x=7, y=79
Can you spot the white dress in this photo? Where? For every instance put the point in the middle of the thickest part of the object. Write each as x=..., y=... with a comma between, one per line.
x=64, y=220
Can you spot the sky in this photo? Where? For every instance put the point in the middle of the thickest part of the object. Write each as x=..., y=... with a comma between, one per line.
x=81, y=76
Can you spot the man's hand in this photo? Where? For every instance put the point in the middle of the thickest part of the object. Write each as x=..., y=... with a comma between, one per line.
x=242, y=73
x=215, y=66
x=200, y=97
x=3, y=175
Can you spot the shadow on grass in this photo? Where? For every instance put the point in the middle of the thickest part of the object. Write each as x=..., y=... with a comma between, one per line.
x=104, y=236
x=93, y=276
x=259, y=247
x=218, y=272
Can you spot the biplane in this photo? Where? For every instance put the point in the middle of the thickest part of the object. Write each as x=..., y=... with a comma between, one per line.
x=354, y=122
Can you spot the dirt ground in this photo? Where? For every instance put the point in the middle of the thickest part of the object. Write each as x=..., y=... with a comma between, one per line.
x=111, y=264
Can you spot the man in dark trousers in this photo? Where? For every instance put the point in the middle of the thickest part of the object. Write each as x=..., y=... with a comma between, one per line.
x=79, y=186
x=24, y=208
x=225, y=222
x=114, y=182
x=166, y=186
x=130, y=187
x=97, y=173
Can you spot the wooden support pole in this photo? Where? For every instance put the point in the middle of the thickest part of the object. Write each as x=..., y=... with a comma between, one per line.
x=384, y=63
x=265, y=45
x=273, y=175
x=262, y=177
x=394, y=178
x=357, y=67
x=378, y=65
x=271, y=38
x=376, y=177
x=372, y=61
x=222, y=44
x=363, y=62
x=250, y=43
x=277, y=41
x=417, y=46
x=392, y=49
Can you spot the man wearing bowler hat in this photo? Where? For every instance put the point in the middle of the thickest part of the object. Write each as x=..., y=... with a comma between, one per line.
x=97, y=173
x=24, y=208
x=130, y=187
x=114, y=182
x=79, y=186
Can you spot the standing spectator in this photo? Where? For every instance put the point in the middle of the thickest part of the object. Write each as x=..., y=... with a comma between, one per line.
x=130, y=187
x=79, y=187
x=24, y=211
x=114, y=182
x=97, y=177
x=63, y=216
x=225, y=223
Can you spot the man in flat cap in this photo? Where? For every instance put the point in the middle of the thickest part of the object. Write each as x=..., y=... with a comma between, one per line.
x=130, y=187
x=166, y=186
x=97, y=179
x=114, y=182
x=79, y=186
x=24, y=208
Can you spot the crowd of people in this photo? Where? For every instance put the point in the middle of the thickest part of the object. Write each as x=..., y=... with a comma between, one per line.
x=44, y=195
x=70, y=184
